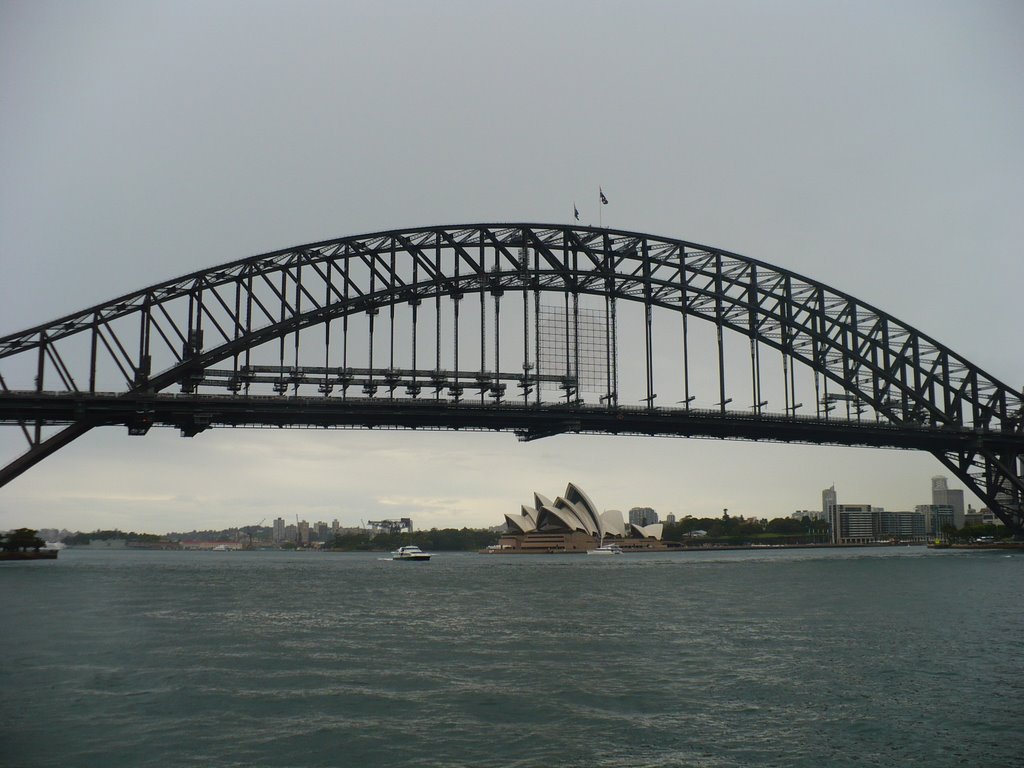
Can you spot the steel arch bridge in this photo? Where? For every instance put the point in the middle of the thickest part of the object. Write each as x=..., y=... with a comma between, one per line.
x=533, y=328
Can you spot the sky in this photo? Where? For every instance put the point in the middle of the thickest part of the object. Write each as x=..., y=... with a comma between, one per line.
x=872, y=146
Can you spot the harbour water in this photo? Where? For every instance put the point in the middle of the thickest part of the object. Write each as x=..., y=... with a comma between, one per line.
x=873, y=657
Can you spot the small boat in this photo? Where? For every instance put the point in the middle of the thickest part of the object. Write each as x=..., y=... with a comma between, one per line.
x=410, y=553
x=606, y=549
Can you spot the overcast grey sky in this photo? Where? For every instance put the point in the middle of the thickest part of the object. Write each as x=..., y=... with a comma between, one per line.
x=874, y=146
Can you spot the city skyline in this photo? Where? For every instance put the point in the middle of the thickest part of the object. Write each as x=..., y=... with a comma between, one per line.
x=871, y=147
x=364, y=522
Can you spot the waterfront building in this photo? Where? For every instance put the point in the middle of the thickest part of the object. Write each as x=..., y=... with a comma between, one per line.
x=981, y=516
x=107, y=543
x=854, y=524
x=937, y=517
x=279, y=534
x=642, y=516
x=903, y=526
x=303, y=533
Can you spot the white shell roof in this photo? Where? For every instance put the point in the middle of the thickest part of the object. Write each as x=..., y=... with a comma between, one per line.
x=613, y=523
x=566, y=517
x=575, y=495
x=652, y=531
x=585, y=521
x=521, y=523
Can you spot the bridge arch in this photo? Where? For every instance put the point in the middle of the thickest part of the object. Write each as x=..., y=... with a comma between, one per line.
x=916, y=392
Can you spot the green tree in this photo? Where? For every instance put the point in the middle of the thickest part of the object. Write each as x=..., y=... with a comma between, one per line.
x=22, y=539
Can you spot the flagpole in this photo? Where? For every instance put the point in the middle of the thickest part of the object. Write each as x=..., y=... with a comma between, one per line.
x=600, y=211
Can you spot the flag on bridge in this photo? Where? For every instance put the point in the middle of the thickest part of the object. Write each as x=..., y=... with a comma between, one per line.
x=575, y=212
x=604, y=200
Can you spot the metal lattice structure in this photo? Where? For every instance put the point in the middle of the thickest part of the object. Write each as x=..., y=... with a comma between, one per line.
x=371, y=331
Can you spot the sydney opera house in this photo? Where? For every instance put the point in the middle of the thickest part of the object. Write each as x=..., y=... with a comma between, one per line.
x=571, y=523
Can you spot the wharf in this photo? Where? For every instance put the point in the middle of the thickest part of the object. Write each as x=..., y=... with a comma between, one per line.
x=42, y=554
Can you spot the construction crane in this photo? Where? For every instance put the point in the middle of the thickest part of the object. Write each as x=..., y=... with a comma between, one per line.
x=391, y=526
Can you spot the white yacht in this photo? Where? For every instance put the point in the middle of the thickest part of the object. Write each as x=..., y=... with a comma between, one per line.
x=410, y=553
x=606, y=549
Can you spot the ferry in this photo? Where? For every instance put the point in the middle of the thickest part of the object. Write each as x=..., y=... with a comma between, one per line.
x=410, y=553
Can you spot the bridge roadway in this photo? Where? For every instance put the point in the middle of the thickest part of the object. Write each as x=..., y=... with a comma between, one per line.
x=194, y=413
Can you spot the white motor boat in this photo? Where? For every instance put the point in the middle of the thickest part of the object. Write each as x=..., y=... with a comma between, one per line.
x=410, y=553
x=606, y=549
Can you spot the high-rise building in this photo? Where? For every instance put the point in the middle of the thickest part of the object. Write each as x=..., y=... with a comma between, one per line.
x=937, y=517
x=643, y=516
x=670, y=518
x=279, y=529
x=943, y=495
x=828, y=503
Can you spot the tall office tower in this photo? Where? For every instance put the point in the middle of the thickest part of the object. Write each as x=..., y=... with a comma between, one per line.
x=279, y=529
x=828, y=503
x=643, y=516
x=943, y=496
x=937, y=517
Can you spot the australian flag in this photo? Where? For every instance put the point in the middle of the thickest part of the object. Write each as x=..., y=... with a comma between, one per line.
x=604, y=200
x=575, y=212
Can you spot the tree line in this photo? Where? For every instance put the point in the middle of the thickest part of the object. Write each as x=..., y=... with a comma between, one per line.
x=729, y=529
x=84, y=538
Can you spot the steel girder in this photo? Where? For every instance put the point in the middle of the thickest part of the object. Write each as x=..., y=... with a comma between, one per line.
x=184, y=327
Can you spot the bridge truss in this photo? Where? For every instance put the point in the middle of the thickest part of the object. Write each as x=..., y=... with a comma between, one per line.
x=537, y=329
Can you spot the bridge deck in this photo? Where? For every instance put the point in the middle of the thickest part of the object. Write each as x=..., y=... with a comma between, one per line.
x=193, y=413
